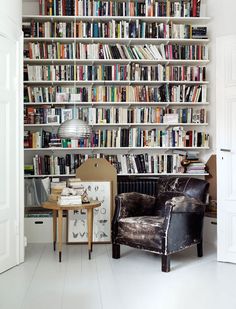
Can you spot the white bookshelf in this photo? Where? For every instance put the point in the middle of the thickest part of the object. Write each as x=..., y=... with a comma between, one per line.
x=115, y=149
x=113, y=82
x=126, y=41
x=133, y=41
x=148, y=124
x=160, y=19
x=113, y=61
x=124, y=174
x=127, y=104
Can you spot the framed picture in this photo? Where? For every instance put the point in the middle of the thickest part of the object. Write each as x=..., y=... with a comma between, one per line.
x=53, y=119
x=77, y=219
x=62, y=97
x=66, y=114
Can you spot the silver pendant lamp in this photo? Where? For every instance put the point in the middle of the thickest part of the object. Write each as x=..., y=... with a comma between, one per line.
x=74, y=129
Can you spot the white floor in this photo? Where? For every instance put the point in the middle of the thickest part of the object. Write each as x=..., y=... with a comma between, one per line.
x=134, y=281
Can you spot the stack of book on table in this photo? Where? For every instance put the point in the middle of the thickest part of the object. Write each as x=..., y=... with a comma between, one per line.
x=72, y=194
x=70, y=200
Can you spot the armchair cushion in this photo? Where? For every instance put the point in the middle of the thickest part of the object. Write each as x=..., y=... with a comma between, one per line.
x=135, y=204
x=142, y=232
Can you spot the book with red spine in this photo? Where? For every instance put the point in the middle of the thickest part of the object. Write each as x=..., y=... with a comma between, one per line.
x=194, y=8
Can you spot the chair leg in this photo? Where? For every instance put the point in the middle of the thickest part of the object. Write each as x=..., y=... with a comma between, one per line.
x=199, y=249
x=115, y=251
x=165, y=263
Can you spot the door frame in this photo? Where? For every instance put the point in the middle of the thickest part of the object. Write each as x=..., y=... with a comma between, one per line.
x=13, y=31
x=223, y=147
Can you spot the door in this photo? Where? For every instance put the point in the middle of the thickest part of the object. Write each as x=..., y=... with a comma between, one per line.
x=9, y=166
x=226, y=147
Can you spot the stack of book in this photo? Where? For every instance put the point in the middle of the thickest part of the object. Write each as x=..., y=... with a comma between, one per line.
x=196, y=168
x=56, y=189
x=70, y=200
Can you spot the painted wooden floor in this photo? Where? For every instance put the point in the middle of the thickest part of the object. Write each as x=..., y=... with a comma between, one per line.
x=134, y=281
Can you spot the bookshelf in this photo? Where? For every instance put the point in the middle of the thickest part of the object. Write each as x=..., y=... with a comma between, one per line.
x=140, y=60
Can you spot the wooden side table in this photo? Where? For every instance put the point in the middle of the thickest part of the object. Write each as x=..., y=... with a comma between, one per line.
x=58, y=211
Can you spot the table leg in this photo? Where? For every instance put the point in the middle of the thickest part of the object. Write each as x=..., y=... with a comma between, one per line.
x=90, y=230
x=54, y=229
x=60, y=212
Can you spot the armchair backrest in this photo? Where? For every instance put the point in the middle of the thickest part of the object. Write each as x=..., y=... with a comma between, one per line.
x=192, y=187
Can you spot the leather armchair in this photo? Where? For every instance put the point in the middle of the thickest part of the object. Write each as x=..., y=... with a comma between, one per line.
x=164, y=224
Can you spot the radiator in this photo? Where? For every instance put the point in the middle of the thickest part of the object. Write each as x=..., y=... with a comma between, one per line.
x=147, y=186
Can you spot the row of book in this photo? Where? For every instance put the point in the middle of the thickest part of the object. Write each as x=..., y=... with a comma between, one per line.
x=53, y=165
x=119, y=115
x=180, y=8
x=162, y=93
x=124, y=164
x=116, y=72
x=114, y=29
x=146, y=115
x=48, y=115
x=121, y=137
x=58, y=50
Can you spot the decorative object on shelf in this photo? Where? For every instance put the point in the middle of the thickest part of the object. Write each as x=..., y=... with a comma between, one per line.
x=74, y=129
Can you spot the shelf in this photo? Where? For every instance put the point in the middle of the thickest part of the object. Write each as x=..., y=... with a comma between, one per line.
x=138, y=174
x=123, y=124
x=163, y=174
x=161, y=19
x=116, y=82
x=116, y=149
x=43, y=176
x=113, y=61
x=147, y=124
x=130, y=41
x=42, y=125
x=94, y=104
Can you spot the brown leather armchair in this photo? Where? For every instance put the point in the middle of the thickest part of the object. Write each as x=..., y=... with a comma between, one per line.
x=165, y=224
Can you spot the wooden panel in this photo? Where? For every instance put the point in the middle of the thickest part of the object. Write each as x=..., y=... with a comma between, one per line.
x=99, y=169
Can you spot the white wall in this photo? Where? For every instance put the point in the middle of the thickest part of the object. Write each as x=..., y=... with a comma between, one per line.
x=12, y=9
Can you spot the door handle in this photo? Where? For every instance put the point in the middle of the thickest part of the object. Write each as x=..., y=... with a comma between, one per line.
x=225, y=150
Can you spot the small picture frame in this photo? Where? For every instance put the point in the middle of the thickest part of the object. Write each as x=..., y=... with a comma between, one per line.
x=62, y=97
x=53, y=119
x=66, y=114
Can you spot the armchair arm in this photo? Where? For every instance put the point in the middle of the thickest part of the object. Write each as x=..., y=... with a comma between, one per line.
x=134, y=204
x=182, y=204
x=185, y=225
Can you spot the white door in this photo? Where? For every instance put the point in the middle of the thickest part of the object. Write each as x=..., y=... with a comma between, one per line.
x=226, y=147
x=9, y=166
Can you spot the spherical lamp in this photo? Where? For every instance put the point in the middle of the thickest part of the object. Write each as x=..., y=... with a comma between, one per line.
x=74, y=129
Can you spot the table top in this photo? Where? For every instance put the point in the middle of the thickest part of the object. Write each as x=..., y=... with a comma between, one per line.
x=54, y=206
